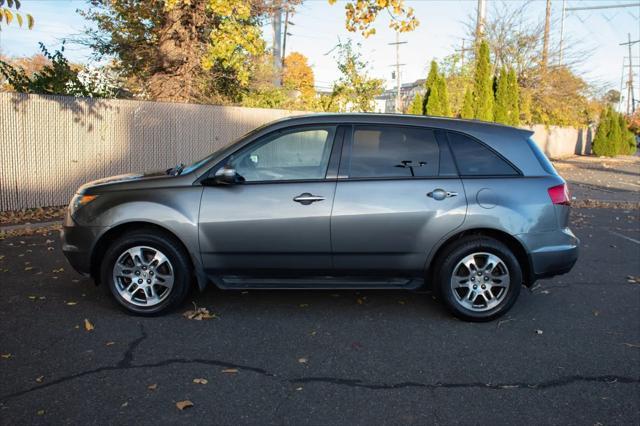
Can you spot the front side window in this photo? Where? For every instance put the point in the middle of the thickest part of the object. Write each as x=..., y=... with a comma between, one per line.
x=475, y=159
x=299, y=154
x=388, y=151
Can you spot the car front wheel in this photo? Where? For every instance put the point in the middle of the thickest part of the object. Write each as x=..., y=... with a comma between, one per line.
x=147, y=272
x=479, y=279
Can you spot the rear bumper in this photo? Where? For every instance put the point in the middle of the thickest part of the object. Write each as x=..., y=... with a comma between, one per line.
x=551, y=253
x=78, y=243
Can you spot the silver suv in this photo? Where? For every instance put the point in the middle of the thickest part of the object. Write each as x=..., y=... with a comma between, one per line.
x=474, y=210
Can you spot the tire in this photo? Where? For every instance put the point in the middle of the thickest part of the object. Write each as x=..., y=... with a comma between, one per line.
x=479, y=279
x=147, y=272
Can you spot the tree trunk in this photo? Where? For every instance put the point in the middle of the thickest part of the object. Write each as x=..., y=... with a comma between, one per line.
x=181, y=43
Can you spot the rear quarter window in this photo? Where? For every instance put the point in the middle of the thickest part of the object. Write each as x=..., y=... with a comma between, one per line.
x=542, y=159
x=475, y=159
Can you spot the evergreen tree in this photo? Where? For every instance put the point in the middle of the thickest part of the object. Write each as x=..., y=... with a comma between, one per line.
x=467, y=105
x=501, y=113
x=483, y=85
x=434, y=103
x=600, y=145
x=615, y=134
x=416, y=107
x=514, y=98
x=431, y=81
x=445, y=106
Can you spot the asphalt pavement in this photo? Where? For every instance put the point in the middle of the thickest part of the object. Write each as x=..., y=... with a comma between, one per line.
x=567, y=353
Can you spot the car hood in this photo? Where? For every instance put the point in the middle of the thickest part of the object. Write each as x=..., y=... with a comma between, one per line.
x=127, y=181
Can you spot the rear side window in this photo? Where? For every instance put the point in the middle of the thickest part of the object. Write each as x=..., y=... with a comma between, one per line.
x=390, y=151
x=475, y=159
x=544, y=161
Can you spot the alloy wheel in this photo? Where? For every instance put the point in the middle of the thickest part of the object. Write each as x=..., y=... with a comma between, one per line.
x=480, y=281
x=143, y=276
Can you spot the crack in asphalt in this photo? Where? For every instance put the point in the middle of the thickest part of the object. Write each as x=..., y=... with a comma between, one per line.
x=126, y=363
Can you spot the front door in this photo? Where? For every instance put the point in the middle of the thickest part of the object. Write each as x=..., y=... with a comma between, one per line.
x=278, y=220
x=397, y=196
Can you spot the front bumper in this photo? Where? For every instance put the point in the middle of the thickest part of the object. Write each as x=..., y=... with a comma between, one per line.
x=551, y=253
x=78, y=243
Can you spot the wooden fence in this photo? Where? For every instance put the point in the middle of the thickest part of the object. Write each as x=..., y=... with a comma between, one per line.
x=50, y=145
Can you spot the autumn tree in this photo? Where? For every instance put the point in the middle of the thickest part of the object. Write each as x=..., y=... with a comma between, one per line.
x=483, y=85
x=416, y=106
x=179, y=50
x=298, y=76
x=361, y=14
x=354, y=90
x=9, y=11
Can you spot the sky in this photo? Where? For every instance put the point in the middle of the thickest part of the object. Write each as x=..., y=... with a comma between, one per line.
x=318, y=26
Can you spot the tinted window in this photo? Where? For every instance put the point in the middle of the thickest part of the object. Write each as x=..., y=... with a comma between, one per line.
x=387, y=151
x=475, y=159
x=294, y=155
x=544, y=161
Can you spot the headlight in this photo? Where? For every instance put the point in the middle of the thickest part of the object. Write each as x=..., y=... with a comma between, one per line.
x=80, y=200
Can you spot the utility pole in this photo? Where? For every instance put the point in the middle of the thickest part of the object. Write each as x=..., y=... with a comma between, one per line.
x=463, y=51
x=286, y=33
x=482, y=9
x=631, y=102
x=398, y=65
x=564, y=9
x=277, y=42
x=545, y=40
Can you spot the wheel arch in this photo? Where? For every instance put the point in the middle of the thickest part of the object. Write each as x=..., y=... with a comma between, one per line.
x=108, y=237
x=509, y=240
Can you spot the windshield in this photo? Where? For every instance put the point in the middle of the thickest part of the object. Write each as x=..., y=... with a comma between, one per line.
x=194, y=166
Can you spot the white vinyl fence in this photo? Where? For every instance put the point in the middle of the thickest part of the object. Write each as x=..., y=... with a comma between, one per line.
x=50, y=145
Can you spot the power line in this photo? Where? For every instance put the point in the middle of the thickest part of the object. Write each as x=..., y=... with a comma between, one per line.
x=571, y=9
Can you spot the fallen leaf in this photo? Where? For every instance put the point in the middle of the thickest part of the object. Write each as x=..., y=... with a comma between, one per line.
x=39, y=379
x=28, y=268
x=303, y=360
x=56, y=271
x=1, y=257
x=87, y=325
x=304, y=305
x=72, y=303
x=32, y=297
x=230, y=370
x=359, y=301
x=40, y=412
x=6, y=356
x=402, y=302
x=538, y=331
x=182, y=405
x=124, y=404
x=200, y=381
x=299, y=388
x=596, y=313
x=110, y=343
x=152, y=387
x=199, y=314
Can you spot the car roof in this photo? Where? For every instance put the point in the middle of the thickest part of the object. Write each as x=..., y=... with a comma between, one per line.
x=463, y=125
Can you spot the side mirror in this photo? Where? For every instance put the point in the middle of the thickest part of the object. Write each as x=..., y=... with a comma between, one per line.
x=226, y=175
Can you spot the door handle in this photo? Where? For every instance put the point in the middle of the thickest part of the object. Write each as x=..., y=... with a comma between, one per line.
x=307, y=198
x=441, y=194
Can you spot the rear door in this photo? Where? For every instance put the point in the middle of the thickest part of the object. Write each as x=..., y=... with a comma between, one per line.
x=277, y=221
x=397, y=195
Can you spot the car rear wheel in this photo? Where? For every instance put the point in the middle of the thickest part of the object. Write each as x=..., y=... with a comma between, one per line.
x=479, y=279
x=147, y=272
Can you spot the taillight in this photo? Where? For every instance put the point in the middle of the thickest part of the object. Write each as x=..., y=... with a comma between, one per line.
x=560, y=194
